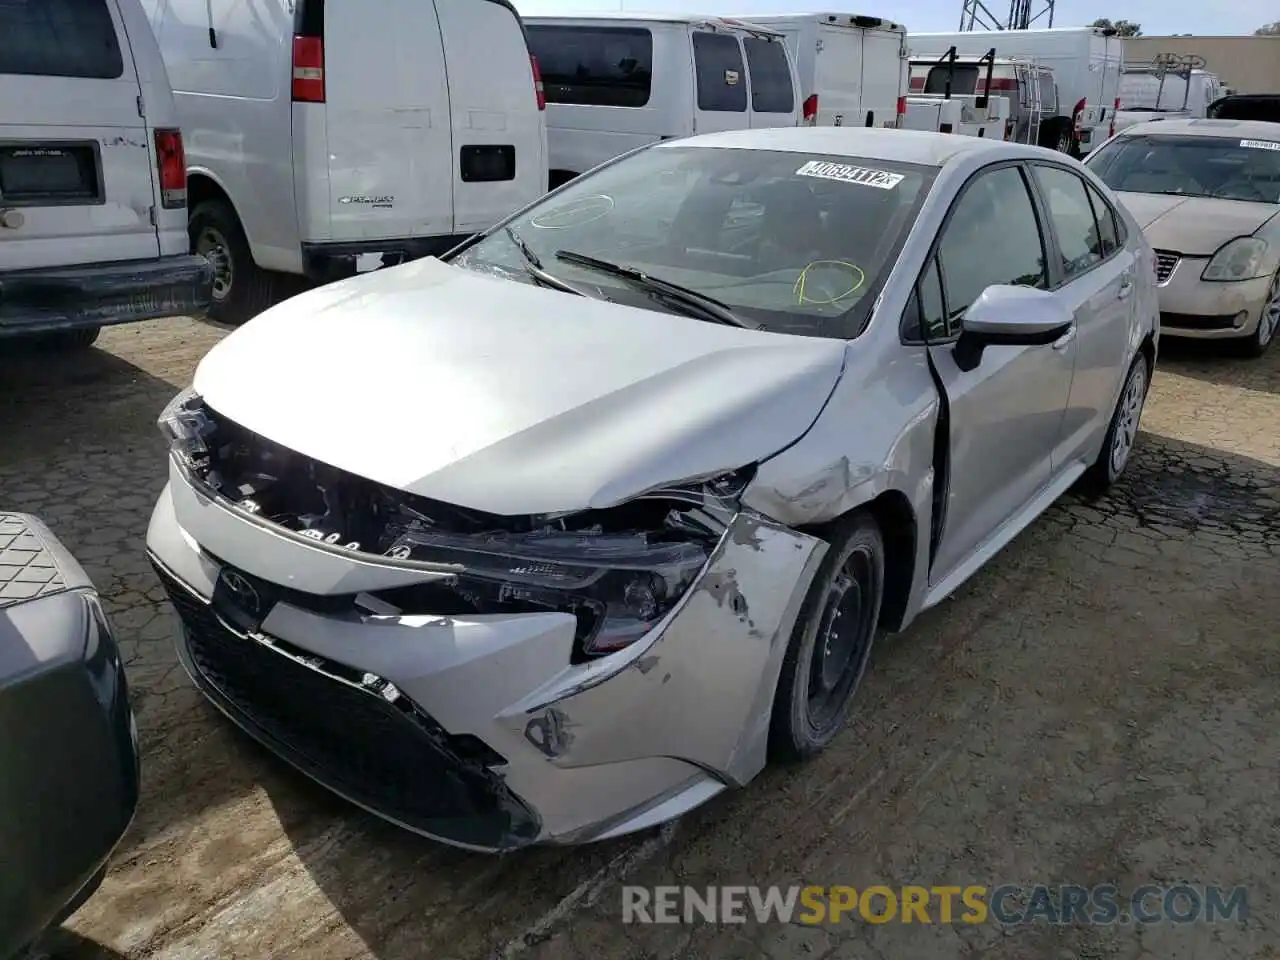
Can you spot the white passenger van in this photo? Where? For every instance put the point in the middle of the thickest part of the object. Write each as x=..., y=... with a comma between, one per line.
x=93, y=200
x=326, y=137
x=853, y=69
x=615, y=82
x=1086, y=62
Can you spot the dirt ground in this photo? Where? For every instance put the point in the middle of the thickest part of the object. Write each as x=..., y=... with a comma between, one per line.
x=1100, y=705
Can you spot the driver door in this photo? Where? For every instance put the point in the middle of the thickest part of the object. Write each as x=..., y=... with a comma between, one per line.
x=1005, y=415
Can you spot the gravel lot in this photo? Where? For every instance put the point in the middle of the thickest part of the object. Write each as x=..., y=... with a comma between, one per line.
x=1101, y=704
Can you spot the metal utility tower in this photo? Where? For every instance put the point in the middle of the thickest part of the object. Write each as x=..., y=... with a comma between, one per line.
x=1023, y=15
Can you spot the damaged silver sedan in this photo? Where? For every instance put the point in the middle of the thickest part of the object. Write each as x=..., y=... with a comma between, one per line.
x=561, y=535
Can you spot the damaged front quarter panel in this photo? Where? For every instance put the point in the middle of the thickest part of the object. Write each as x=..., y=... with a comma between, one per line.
x=702, y=691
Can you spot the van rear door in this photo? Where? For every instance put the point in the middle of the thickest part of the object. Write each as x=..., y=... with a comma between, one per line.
x=386, y=102
x=76, y=167
x=499, y=130
x=883, y=54
x=772, y=78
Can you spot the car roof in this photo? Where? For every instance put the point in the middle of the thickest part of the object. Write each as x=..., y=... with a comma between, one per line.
x=1246, y=129
x=903, y=146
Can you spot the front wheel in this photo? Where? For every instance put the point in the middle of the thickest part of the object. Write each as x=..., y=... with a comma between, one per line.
x=830, y=643
x=1122, y=432
x=1268, y=323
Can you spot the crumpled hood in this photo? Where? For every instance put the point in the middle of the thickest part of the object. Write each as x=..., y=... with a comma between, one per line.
x=509, y=398
x=1194, y=226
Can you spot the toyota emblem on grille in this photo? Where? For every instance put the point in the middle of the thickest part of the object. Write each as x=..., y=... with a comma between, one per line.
x=244, y=591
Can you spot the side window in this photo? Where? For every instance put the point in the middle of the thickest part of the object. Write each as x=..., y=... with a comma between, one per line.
x=722, y=82
x=596, y=66
x=1072, y=218
x=992, y=236
x=59, y=38
x=1108, y=230
x=770, y=76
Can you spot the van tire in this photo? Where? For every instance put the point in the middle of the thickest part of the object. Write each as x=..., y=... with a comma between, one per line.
x=72, y=340
x=242, y=289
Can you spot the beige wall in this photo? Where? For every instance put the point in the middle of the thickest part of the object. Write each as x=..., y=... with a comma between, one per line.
x=1246, y=64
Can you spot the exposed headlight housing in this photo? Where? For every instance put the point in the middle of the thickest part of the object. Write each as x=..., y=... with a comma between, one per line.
x=1238, y=259
x=619, y=571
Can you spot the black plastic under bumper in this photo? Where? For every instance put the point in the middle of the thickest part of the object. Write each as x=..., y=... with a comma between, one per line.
x=326, y=261
x=350, y=733
x=99, y=294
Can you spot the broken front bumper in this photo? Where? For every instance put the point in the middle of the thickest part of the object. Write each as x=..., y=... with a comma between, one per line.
x=479, y=731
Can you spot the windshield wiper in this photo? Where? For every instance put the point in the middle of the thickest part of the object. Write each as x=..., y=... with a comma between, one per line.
x=533, y=267
x=694, y=303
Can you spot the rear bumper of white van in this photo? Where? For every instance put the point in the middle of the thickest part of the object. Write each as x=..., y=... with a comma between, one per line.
x=326, y=261
x=99, y=294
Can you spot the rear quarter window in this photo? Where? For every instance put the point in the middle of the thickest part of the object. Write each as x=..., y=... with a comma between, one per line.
x=59, y=38
x=771, y=90
x=596, y=66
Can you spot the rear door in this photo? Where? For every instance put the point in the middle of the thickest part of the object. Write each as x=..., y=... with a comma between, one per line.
x=499, y=134
x=721, y=97
x=882, y=58
x=838, y=76
x=388, y=121
x=772, y=83
x=75, y=163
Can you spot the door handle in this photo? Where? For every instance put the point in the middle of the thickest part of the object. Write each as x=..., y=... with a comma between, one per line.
x=1126, y=287
x=1065, y=340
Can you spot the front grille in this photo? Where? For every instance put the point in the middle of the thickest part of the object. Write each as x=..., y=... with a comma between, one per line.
x=1189, y=321
x=1165, y=262
x=391, y=758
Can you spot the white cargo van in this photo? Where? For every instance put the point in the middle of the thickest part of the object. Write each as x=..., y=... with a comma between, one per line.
x=1148, y=92
x=326, y=137
x=615, y=82
x=852, y=68
x=1086, y=62
x=92, y=186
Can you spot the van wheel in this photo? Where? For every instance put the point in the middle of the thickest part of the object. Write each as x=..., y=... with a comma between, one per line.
x=830, y=643
x=241, y=289
x=70, y=340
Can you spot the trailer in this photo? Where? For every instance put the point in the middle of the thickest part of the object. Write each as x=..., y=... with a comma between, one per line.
x=1086, y=63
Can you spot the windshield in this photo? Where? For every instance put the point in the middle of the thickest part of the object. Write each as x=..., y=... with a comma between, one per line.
x=1226, y=168
x=964, y=79
x=788, y=242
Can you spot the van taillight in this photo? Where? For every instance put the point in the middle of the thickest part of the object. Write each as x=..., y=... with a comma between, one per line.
x=171, y=164
x=810, y=109
x=1112, y=131
x=1077, y=113
x=539, y=90
x=308, y=70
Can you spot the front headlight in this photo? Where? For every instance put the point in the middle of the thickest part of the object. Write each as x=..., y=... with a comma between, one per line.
x=618, y=576
x=1238, y=259
x=186, y=425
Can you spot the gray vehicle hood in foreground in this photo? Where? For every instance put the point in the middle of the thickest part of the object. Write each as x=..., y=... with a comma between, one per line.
x=1194, y=226
x=508, y=398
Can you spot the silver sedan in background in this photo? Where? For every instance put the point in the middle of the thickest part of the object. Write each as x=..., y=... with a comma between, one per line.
x=1207, y=193
x=563, y=534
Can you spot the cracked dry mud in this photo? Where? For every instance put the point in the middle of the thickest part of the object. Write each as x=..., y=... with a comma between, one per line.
x=1101, y=704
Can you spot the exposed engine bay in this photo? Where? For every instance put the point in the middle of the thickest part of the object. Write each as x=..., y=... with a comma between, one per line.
x=618, y=571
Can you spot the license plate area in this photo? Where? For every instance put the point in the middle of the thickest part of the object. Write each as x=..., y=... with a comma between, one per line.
x=50, y=174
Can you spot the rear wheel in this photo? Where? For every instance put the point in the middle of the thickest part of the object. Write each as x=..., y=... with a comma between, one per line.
x=72, y=340
x=831, y=642
x=241, y=289
x=1268, y=323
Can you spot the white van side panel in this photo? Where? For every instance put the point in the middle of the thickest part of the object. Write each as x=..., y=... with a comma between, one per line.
x=234, y=107
x=387, y=121
x=490, y=81
x=96, y=118
x=583, y=136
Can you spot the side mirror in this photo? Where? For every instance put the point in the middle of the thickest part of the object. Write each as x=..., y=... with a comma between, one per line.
x=1010, y=316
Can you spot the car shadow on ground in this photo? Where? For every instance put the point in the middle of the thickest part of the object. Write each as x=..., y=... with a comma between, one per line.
x=951, y=731
x=63, y=944
x=1214, y=362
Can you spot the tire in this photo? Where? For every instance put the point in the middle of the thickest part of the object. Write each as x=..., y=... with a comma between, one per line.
x=1256, y=344
x=75, y=340
x=1122, y=431
x=241, y=289
x=849, y=584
